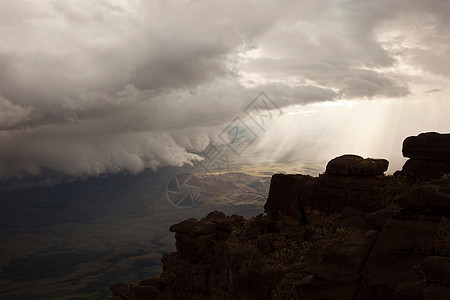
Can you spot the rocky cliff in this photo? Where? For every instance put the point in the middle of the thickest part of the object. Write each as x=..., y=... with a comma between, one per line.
x=351, y=233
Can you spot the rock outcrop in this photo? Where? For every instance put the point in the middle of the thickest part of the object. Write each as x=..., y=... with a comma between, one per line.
x=351, y=233
x=348, y=181
x=429, y=156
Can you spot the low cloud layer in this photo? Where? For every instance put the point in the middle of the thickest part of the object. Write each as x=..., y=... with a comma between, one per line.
x=88, y=88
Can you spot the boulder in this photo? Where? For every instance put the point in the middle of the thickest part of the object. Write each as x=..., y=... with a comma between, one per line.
x=194, y=238
x=424, y=169
x=288, y=195
x=399, y=248
x=187, y=281
x=429, y=155
x=146, y=292
x=265, y=245
x=336, y=192
x=426, y=199
x=428, y=146
x=313, y=287
x=193, y=227
x=121, y=290
x=255, y=280
x=435, y=269
x=223, y=223
x=191, y=248
x=344, y=261
x=435, y=292
x=354, y=165
x=377, y=219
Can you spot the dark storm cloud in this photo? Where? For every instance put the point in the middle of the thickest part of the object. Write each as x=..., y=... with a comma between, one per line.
x=95, y=87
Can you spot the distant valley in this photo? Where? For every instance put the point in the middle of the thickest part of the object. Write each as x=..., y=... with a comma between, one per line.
x=76, y=239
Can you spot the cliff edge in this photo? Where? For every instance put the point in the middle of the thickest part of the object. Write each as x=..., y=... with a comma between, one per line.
x=350, y=233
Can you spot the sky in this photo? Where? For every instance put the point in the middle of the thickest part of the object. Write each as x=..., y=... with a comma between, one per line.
x=89, y=88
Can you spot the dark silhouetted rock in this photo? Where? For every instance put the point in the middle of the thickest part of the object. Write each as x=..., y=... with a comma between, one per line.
x=354, y=223
x=288, y=195
x=265, y=245
x=425, y=169
x=429, y=155
x=146, y=292
x=122, y=290
x=377, y=219
x=315, y=288
x=193, y=248
x=259, y=226
x=436, y=269
x=193, y=227
x=344, y=261
x=354, y=165
x=435, y=292
x=427, y=146
x=334, y=193
x=255, y=281
x=400, y=247
x=427, y=199
x=194, y=238
x=223, y=222
x=351, y=212
x=187, y=281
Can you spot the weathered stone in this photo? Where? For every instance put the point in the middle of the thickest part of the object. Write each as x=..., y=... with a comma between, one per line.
x=425, y=169
x=435, y=292
x=429, y=155
x=188, y=281
x=193, y=227
x=288, y=194
x=330, y=198
x=146, y=292
x=408, y=291
x=265, y=246
x=258, y=227
x=350, y=212
x=400, y=246
x=431, y=199
x=428, y=146
x=354, y=165
x=377, y=219
x=314, y=288
x=355, y=223
x=121, y=289
x=255, y=281
x=193, y=248
x=333, y=193
x=364, y=200
x=345, y=260
x=436, y=269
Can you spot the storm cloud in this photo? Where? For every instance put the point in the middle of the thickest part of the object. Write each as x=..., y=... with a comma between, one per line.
x=88, y=88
